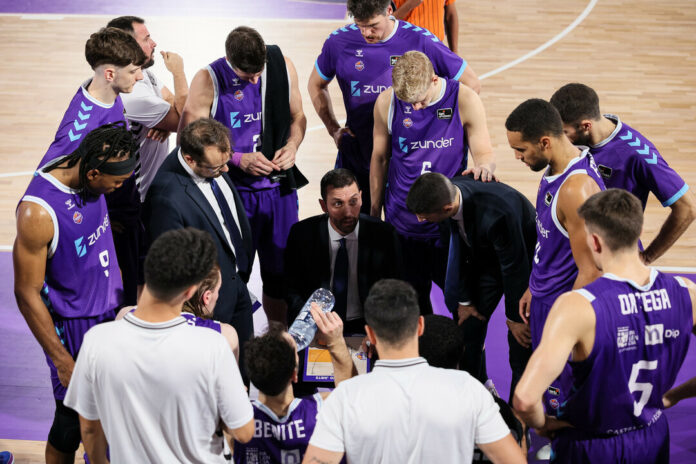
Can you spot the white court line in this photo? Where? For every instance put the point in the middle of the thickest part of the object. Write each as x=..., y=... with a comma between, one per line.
x=543, y=47
x=15, y=174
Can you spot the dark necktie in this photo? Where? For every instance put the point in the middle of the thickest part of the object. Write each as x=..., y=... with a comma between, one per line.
x=235, y=235
x=453, y=268
x=340, y=280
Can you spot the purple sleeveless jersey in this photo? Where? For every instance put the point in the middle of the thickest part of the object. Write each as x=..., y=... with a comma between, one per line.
x=554, y=269
x=200, y=322
x=82, y=273
x=629, y=161
x=83, y=114
x=238, y=105
x=428, y=140
x=282, y=440
x=364, y=70
x=642, y=335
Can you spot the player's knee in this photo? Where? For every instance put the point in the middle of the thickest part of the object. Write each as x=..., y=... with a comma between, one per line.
x=273, y=284
x=65, y=431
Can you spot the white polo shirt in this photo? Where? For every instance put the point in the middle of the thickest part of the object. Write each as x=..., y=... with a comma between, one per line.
x=406, y=411
x=159, y=390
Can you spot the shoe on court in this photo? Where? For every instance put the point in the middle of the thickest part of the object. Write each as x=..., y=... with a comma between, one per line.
x=6, y=458
x=491, y=388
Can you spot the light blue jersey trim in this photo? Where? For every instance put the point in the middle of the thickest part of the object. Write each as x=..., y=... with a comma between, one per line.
x=590, y=297
x=461, y=71
x=321, y=74
x=676, y=196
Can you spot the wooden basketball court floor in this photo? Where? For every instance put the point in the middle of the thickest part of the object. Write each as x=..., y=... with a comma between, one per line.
x=638, y=55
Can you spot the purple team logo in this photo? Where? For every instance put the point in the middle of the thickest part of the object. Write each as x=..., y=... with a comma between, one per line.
x=239, y=95
x=408, y=123
x=77, y=217
x=359, y=65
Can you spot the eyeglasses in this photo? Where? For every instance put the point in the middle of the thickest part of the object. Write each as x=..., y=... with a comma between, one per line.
x=215, y=169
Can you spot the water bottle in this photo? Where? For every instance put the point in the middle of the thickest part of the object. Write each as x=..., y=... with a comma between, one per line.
x=304, y=327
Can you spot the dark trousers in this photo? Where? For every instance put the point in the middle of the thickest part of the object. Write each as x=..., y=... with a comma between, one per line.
x=473, y=360
x=425, y=262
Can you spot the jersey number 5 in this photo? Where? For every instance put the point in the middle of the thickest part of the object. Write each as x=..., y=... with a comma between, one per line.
x=645, y=388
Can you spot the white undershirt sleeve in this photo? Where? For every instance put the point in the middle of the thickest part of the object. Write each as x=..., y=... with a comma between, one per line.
x=234, y=405
x=143, y=105
x=328, y=433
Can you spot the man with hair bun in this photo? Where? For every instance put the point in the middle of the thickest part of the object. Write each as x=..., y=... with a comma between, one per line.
x=625, y=336
x=253, y=91
x=491, y=231
x=361, y=57
x=66, y=271
x=423, y=123
x=156, y=388
x=627, y=160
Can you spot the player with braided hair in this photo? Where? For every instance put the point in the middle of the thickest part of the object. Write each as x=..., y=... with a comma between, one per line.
x=66, y=272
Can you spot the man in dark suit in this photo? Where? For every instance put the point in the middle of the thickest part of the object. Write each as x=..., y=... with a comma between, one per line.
x=492, y=233
x=192, y=189
x=342, y=250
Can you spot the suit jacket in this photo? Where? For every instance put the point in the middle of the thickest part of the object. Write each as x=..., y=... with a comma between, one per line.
x=174, y=201
x=500, y=226
x=308, y=258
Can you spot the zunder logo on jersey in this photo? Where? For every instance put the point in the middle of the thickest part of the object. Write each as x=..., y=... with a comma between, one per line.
x=359, y=65
x=239, y=95
x=355, y=88
x=403, y=145
x=80, y=248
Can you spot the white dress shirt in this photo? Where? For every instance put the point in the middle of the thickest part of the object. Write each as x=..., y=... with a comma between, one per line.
x=354, y=307
x=207, y=191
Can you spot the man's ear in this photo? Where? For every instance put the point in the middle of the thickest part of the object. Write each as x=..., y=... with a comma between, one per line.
x=93, y=174
x=585, y=125
x=109, y=73
x=322, y=203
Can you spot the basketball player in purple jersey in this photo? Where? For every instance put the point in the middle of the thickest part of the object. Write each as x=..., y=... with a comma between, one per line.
x=562, y=259
x=627, y=334
x=253, y=91
x=423, y=124
x=627, y=160
x=284, y=424
x=66, y=272
x=115, y=57
x=361, y=57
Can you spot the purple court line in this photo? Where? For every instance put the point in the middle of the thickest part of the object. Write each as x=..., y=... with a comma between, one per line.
x=262, y=9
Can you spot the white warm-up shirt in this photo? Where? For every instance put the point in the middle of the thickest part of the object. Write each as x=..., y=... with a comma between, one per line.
x=406, y=411
x=159, y=389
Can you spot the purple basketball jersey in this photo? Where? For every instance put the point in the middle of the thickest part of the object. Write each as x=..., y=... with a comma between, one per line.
x=238, y=105
x=364, y=70
x=200, y=322
x=554, y=270
x=83, y=114
x=628, y=161
x=82, y=274
x=642, y=335
x=428, y=140
x=282, y=440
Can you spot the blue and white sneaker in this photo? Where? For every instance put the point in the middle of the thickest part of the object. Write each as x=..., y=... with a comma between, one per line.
x=6, y=457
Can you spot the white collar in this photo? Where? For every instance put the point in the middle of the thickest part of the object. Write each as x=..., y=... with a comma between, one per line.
x=642, y=288
x=335, y=236
x=577, y=159
x=196, y=178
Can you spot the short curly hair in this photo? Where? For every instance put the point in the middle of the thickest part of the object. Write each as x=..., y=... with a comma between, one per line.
x=177, y=260
x=270, y=360
x=362, y=10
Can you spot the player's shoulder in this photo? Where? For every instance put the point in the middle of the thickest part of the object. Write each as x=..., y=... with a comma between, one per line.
x=347, y=33
x=412, y=32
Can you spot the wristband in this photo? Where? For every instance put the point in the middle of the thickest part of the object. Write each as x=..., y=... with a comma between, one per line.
x=236, y=158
